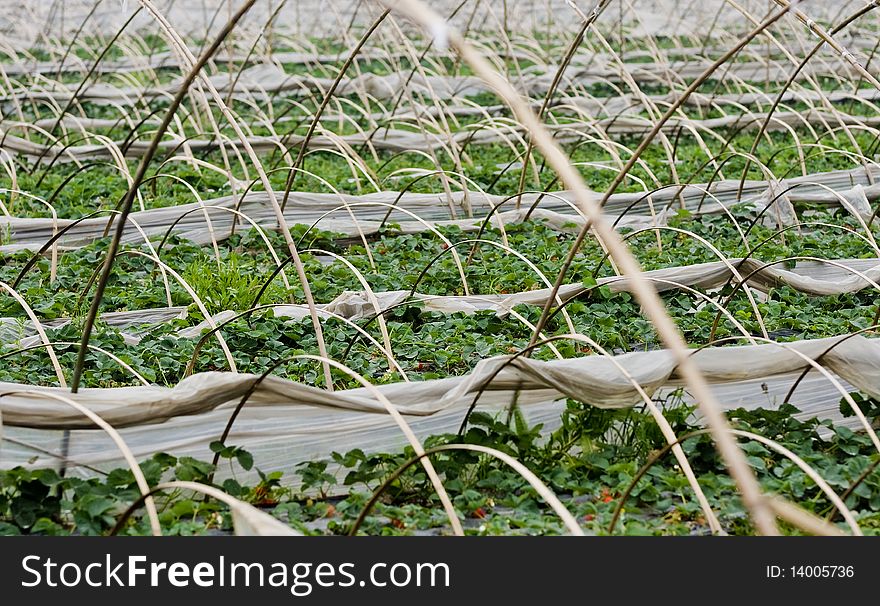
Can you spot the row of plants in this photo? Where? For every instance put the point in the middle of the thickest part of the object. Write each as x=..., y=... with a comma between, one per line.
x=493, y=262
x=427, y=344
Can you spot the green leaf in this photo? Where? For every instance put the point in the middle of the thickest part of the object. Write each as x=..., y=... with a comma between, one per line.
x=245, y=459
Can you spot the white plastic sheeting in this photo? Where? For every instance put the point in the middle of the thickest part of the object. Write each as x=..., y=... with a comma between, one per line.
x=285, y=423
x=400, y=140
x=354, y=215
x=830, y=277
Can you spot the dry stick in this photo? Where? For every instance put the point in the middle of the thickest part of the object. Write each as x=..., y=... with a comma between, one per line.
x=127, y=454
x=38, y=327
x=817, y=87
x=405, y=85
x=827, y=39
x=810, y=472
x=455, y=152
x=184, y=56
x=49, y=453
x=548, y=98
x=530, y=477
x=742, y=283
x=803, y=519
x=407, y=431
x=305, y=142
x=790, y=81
x=110, y=355
x=82, y=84
x=643, y=146
x=843, y=497
x=279, y=214
x=73, y=40
x=837, y=502
x=259, y=521
x=733, y=457
x=132, y=191
x=661, y=421
x=267, y=30
x=818, y=359
x=268, y=372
